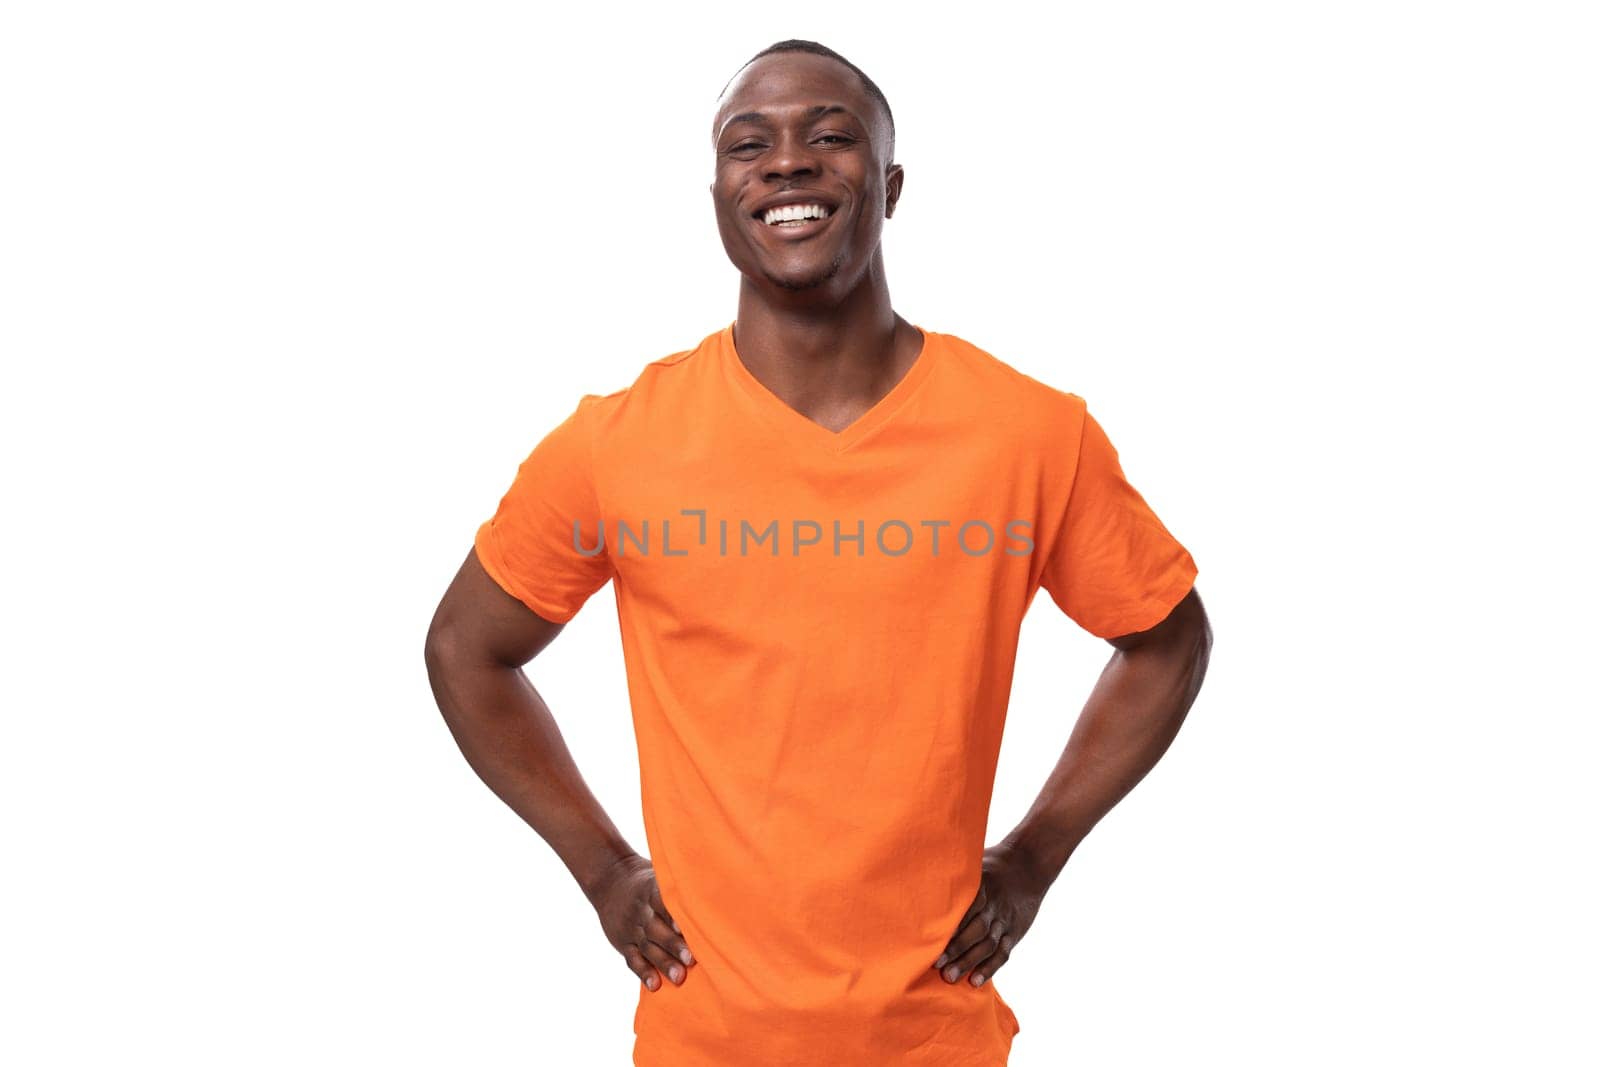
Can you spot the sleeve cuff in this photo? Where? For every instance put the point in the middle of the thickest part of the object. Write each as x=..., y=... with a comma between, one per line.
x=1153, y=609
x=483, y=543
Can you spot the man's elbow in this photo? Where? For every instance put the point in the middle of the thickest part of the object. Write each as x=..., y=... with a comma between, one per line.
x=1192, y=627
x=1199, y=625
x=1194, y=637
x=444, y=643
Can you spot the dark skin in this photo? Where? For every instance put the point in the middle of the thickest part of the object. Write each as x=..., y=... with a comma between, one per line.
x=814, y=322
x=814, y=325
x=479, y=640
x=1126, y=725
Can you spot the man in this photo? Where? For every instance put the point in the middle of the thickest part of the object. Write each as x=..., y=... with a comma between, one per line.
x=825, y=525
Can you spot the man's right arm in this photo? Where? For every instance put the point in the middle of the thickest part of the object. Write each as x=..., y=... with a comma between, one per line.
x=477, y=643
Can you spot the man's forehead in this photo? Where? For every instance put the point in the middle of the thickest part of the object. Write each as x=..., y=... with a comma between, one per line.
x=789, y=85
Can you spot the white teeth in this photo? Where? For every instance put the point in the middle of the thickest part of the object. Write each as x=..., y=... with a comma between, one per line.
x=794, y=213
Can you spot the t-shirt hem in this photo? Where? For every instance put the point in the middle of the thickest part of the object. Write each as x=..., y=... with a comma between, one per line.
x=650, y=1060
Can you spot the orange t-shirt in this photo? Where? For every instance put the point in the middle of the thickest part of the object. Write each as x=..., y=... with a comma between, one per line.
x=819, y=630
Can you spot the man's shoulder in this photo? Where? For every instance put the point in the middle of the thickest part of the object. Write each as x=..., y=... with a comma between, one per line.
x=979, y=372
x=659, y=379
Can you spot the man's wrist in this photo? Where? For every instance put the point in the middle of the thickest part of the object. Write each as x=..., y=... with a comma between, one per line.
x=600, y=871
x=1040, y=853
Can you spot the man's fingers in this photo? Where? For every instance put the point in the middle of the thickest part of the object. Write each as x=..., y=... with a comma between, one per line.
x=668, y=938
x=641, y=967
x=968, y=960
x=970, y=920
x=977, y=943
x=975, y=930
x=985, y=970
x=673, y=969
x=660, y=907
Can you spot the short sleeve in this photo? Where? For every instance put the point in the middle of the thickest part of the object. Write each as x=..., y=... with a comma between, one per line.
x=1114, y=569
x=529, y=546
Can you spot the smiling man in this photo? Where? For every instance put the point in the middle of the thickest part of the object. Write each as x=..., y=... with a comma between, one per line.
x=824, y=525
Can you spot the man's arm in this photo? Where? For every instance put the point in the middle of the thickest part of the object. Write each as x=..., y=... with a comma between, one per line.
x=1126, y=725
x=477, y=643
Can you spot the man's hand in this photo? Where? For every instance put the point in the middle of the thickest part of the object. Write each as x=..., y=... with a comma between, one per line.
x=637, y=923
x=1008, y=898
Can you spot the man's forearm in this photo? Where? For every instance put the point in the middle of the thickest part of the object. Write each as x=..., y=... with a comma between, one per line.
x=511, y=740
x=1126, y=725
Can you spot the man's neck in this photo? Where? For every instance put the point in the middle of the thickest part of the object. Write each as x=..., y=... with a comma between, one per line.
x=831, y=362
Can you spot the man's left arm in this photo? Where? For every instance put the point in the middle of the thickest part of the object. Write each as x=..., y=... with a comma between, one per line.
x=1127, y=724
x=1116, y=570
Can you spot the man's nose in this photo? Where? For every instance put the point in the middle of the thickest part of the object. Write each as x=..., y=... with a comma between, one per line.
x=791, y=155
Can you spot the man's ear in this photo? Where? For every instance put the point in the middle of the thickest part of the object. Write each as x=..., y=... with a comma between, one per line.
x=896, y=178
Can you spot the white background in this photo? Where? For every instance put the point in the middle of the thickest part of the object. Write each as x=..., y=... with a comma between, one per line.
x=290, y=289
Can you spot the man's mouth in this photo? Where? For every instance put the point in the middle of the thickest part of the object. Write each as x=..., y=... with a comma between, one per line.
x=796, y=216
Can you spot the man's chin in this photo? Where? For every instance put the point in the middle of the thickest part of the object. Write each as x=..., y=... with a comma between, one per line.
x=803, y=280
x=798, y=285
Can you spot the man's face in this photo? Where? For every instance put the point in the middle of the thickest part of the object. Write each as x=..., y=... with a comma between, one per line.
x=796, y=128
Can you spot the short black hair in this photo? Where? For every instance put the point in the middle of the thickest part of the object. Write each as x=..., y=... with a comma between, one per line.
x=797, y=45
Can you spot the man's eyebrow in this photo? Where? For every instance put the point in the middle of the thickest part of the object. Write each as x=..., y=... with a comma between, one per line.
x=816, y=111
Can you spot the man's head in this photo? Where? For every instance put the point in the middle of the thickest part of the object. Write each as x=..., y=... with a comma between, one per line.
x=799, y=124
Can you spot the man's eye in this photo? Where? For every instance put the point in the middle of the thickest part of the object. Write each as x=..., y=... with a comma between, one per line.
x=746, y=147
x=834, y=137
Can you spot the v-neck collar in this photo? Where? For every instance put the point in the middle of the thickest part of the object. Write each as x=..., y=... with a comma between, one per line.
x=786, y=419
